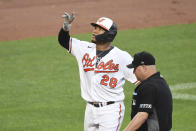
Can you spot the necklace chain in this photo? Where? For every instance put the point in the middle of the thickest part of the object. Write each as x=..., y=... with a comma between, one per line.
x=99, y=56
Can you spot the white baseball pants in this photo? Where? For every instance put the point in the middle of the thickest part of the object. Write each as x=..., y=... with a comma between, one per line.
x=106, y=118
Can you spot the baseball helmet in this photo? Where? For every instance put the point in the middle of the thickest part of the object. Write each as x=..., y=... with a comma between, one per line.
x=110, y=30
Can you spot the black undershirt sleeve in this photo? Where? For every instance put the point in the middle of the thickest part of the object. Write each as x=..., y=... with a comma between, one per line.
x=64, y=38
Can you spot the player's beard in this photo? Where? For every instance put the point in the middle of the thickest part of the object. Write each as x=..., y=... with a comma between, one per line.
x=95, y=41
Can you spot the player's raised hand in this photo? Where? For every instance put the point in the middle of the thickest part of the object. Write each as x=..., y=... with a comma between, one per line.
x=68, y=20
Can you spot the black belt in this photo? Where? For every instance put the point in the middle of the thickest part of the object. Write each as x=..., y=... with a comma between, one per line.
x=101, y=104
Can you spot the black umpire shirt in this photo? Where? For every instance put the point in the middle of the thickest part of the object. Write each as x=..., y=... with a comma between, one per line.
x=153, y=96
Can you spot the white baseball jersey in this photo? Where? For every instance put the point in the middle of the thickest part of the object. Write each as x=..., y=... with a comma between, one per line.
x=105, y=82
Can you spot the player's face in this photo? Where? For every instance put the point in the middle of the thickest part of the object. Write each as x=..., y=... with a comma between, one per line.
x=96, y=31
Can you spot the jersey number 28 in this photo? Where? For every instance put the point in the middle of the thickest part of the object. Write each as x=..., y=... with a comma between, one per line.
x=111, y=81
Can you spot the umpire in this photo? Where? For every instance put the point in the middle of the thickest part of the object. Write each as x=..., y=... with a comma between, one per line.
x=152, y=98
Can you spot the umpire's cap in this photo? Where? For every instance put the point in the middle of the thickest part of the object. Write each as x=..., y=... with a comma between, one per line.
x=142, y=58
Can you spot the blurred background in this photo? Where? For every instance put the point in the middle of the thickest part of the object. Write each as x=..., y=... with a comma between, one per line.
x=21, y=19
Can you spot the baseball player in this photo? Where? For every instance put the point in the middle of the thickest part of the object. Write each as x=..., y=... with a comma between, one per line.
x=103, y=73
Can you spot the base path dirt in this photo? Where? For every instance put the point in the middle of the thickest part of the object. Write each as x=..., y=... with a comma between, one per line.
x=21, y=19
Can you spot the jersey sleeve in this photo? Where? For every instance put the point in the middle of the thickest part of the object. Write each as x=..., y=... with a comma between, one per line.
x=128, y=73
x=146, y=99
x=77, y=47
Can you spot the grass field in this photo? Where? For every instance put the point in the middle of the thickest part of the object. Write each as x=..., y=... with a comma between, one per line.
x=39, y=80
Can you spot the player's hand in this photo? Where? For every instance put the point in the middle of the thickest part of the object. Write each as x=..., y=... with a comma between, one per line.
x=68, y=20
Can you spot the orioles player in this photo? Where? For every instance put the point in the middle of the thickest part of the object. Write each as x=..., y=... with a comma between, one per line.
x=103, y=73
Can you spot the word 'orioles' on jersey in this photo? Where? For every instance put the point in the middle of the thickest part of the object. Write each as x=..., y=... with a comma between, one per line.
x=104, y=82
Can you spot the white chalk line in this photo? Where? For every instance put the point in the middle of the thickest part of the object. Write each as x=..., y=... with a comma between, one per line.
x=183, y=86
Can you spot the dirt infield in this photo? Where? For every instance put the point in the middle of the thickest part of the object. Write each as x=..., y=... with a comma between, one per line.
x=21, y=19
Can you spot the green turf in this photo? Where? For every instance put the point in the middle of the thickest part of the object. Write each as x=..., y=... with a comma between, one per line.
x=188, y=91
x=39, y=80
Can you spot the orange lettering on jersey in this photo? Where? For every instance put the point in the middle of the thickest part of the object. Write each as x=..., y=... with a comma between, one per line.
x=89, y=69
x=107, y=67
x=87, y=61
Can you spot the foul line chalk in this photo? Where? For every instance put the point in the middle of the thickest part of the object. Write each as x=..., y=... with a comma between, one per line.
x=183, y=86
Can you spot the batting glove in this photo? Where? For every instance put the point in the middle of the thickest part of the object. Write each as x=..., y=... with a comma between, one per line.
x=68, y=20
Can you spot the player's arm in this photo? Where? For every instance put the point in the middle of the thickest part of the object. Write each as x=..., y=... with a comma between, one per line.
x=137, y=121
x=64, y=36
x=128, y=73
